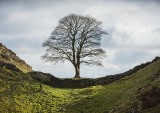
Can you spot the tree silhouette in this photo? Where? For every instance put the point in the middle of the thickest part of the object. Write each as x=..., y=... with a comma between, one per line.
x=76, y=39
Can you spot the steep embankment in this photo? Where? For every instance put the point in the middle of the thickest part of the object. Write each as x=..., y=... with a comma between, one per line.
x=8, y=56
x=131, y=94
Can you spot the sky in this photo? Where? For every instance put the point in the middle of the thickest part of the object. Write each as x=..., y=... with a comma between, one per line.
x=133, y=28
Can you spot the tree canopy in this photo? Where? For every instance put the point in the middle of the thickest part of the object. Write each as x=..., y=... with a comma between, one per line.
x=76, y=39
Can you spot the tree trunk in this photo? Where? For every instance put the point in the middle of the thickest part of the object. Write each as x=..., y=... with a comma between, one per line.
x=77, y=72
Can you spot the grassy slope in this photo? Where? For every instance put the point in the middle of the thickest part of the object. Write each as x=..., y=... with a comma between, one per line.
x=19, y=93
x=8, y=56
x=118, y=92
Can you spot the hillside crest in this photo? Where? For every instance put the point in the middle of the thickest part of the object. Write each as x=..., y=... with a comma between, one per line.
x=11, y=61
x=8, y=56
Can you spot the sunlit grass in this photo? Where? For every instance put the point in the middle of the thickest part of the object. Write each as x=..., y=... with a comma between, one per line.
x=21, y=94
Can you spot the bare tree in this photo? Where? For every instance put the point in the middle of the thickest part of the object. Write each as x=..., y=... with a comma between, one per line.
x=76, y=39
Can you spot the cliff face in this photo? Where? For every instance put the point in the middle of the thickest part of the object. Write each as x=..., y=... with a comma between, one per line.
x=8, y=56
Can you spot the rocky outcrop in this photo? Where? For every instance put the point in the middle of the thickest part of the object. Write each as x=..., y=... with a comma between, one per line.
x=8, y=56
x=9, y=66
x=150, y=98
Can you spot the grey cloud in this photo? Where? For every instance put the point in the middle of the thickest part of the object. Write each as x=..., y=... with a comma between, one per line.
x=126, y=56
x=132, y=26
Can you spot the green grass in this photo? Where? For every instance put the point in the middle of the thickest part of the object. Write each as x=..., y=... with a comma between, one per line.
x=21, y=94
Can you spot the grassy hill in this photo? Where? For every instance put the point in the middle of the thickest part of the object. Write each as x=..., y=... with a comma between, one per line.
x=20, y=93
x=135, y=91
